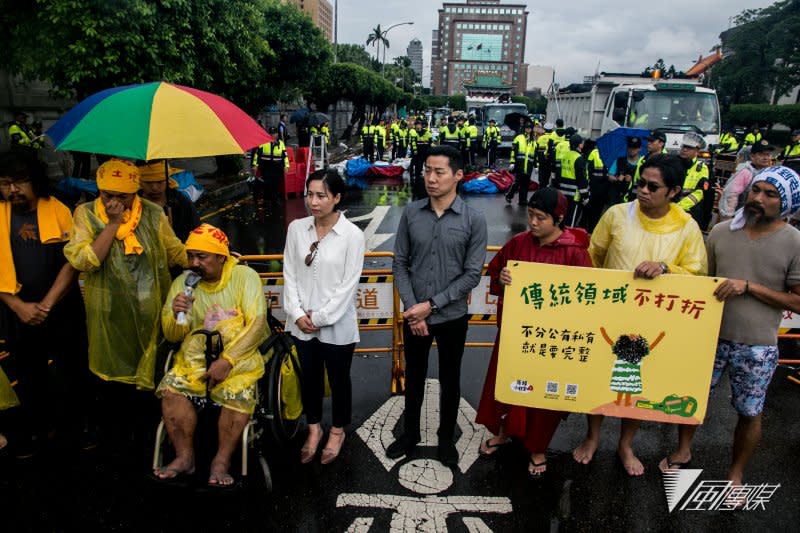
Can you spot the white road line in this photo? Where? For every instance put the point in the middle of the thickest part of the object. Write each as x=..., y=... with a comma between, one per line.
x=374, y=240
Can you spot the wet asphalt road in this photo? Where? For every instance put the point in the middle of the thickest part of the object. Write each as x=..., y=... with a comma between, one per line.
x=107, y=489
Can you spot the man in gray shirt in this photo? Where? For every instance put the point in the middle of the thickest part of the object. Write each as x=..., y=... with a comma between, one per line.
x=759, y=253
x=439, y=252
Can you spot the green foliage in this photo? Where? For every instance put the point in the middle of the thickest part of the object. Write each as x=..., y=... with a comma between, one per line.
x=761, y=53
x=456, y=102
x=250, y=51
x=763, y=114
x=347, y=81
x=356, y=54
x=378, y=37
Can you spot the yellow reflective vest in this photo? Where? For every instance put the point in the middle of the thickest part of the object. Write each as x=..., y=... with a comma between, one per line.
x=694, y=186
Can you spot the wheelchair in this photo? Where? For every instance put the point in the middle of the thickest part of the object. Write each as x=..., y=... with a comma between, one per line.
x=267, y=428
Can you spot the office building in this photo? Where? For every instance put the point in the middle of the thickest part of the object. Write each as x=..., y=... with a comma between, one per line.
x=478, y=48
x=414, y=53
x=321, y=12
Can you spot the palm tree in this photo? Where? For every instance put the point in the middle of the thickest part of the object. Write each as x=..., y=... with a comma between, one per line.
x=378, y=37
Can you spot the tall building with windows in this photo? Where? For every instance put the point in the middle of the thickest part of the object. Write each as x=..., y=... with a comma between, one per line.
x=414, y=53
x=479, y=48
x=321, y=12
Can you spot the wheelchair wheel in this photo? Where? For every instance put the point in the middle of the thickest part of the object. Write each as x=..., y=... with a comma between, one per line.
x=267, y=476
x=281, y=430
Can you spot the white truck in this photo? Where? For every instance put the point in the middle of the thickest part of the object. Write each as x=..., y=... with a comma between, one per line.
x=674, y=106
x=485, y=109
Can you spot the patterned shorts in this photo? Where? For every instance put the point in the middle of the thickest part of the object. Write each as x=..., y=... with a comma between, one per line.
x=751, y=370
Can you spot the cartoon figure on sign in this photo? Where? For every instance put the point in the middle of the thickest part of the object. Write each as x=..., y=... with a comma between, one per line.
x=626, y=376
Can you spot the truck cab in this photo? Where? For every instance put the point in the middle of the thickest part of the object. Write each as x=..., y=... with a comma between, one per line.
x=674, y=108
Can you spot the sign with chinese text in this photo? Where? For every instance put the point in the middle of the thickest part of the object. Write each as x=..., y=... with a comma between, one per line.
x=374, y=298
x=599, y=341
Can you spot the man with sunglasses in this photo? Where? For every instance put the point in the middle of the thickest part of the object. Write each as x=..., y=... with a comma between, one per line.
x=696, y=183
x=759, y=255
x=650, y=236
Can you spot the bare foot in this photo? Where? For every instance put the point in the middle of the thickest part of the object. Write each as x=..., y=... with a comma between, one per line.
x=585, y=452
x=633, y=466
x=675, y=460
x=218, y=474
x=178, y=467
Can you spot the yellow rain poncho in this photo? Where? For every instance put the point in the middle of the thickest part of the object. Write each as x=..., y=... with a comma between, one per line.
x=8, y=398
x=625, y=237
x=124, y=294
x=237, y=295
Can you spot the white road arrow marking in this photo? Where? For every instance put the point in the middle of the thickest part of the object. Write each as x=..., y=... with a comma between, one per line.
x=372, y=239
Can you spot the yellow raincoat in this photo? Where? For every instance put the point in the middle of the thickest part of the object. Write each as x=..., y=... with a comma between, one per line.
x=8, y=398
x=238, y=292
x=124, y=294
x=625, y=237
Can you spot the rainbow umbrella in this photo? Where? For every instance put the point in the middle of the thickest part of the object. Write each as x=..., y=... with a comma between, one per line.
x=157, y=120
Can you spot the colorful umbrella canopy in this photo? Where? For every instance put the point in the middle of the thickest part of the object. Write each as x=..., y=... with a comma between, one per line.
x=157, y=120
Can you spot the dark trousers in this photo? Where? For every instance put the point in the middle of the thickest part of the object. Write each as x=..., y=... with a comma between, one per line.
x=415, y=174
x=491, y=153
x=599, y=191
x=574, y=212
x=380, y=148
x=42, y=389
x=544, y=171
x=450, y=337
x=315, y=358
x=369, y=150
x=522, y=182
x=273, y=180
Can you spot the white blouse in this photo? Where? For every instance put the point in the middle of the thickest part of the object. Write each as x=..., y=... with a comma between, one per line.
x=328, y=286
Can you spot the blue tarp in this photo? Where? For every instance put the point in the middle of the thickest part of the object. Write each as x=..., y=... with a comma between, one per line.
x=614, y=144
x=357, y=167
x=188, y=185
x=480, y=186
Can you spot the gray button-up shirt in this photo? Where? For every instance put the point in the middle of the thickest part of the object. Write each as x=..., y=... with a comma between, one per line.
x=439, y=257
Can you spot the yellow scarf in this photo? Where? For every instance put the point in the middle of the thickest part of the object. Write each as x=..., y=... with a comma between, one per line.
x=55, y=223
x=130, y=220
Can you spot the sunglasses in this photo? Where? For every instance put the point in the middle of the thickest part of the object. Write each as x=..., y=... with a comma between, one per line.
x=312, y=253
x=652, y=186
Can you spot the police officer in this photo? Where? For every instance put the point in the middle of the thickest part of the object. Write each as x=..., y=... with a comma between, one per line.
x=623, y=171
x=20, y=135
x=491, y=139
x=727, y=141
x=470, y=134
x=790, y=156
x=696, y=183
x=599, y=186
x=571, y=180
x=380, y=139
x=450, y=135
x=368, y=138
x=272, y=160
x=523, y=153
x=753, y=136
x=394, y=135
x=656, y=144
x=544, y=149
x=560, y=147
x=420, y=140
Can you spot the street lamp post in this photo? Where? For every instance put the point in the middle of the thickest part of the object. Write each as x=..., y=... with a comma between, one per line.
x=383, y=35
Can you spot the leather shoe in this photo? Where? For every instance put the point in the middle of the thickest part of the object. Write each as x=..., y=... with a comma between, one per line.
x=447, y=454
x=402, y=446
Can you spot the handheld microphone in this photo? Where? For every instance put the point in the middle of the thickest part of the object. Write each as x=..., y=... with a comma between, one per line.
x=189, y=284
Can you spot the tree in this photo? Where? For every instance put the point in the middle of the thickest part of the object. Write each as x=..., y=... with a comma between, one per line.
x=356, y=54
x=253, y=52
x=761, y=58
x=377, y=37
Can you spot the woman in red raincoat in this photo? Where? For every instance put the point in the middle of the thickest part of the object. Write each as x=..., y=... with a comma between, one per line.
x=547, y=241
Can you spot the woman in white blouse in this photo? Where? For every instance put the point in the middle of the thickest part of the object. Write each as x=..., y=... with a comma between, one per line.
x=323, y=259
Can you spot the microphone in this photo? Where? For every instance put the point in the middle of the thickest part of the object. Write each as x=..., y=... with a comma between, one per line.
x=189, y=283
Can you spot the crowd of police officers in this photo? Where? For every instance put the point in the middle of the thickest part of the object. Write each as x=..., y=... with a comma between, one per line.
x=563, y=159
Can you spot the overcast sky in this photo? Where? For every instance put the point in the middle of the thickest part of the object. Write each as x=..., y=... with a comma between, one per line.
x=572, y=36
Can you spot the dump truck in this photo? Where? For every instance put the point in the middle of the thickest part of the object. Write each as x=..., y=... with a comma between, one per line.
x=612, y=100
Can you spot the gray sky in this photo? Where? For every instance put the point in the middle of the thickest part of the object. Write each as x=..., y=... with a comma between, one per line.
x=572, y=36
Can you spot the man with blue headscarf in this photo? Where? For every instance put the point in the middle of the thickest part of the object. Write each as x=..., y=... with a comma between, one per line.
x=759, y=254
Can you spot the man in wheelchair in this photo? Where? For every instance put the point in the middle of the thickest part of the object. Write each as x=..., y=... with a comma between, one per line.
x=226, y=310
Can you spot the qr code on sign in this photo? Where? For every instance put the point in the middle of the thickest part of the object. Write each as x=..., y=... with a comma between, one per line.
x=571, y=389
x=552, y=387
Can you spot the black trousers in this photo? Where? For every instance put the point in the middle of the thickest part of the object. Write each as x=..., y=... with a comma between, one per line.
x=599, y=192
x=369, y=150
x=491, y=153
x=273, y=180
x=544, y=171
x=450, y=337
x=522, y=182
x=315, y=358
